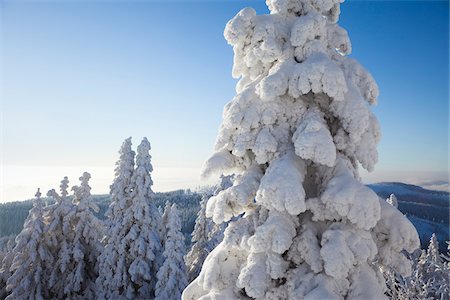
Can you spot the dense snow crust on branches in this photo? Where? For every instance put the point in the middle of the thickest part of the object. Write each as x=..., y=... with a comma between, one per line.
x=295, y=134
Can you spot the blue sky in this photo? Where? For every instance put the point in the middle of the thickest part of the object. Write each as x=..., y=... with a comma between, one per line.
x=80, y=76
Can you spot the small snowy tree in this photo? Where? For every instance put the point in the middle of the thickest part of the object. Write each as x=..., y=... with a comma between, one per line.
x=172, y=276
x=294, y=135
x=433, y=250
x=132, y=252
x=31, y=255
x=392, y=200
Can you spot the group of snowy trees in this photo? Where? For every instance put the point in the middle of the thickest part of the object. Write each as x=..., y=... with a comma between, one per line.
x=65, y=252
x=429, y=278
x=55, y=254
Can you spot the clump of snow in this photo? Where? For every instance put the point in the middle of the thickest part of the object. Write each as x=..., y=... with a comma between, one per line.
x=281, y=188
x=313, y=140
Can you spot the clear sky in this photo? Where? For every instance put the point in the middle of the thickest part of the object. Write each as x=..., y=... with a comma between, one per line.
x=78, y=77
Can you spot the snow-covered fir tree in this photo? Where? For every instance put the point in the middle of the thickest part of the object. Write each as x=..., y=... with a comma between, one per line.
x=295, y=134
x=392, y=200
x=172, y=276
x=31, y=255
x=133, y=247
x=79, y=259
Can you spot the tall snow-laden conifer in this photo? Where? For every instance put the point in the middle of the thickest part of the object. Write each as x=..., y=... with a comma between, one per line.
x=294, y=135
x=172, y=276
x=31, y=256
x=135, y=247
x=120, y=189
x=146, y=259
x=112, y=268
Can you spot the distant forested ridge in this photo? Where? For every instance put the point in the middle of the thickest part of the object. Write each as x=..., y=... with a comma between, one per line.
x=13, y=214
x=428, y=210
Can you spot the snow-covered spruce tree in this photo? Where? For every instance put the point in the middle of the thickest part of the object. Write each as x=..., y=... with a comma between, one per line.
x=135, y=247
x=31, y=255
x=79, y=259
x=295, y=134
x=58, y=238
x=109, y=281
x=172, y=276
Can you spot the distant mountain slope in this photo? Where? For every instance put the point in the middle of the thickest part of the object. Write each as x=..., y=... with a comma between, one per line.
x=428, y=210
